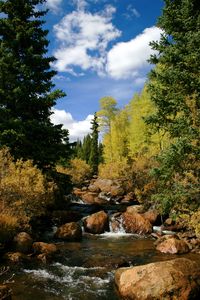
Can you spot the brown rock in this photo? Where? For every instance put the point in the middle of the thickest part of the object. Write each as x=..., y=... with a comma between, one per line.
x=96, y=223
x=5, y=292
x=16, y=257
x=151, y=216
x=44, y=248
x=114, y=187
x=23, y=242
x=69, y=232
x=89, y=197
x=135, y=209
x=175, y=279
x=128, y=198
x=136, y=223
x=93, y=188
x=173, y=246
x=78, y=192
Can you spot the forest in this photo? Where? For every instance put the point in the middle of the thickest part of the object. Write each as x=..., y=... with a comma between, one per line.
x=152, y=143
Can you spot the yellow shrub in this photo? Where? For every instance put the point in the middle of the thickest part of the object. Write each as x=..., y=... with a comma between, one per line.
x=24, y=190
x=78, y=169
x=195, y=222
x=115, y=170
x=8, y=226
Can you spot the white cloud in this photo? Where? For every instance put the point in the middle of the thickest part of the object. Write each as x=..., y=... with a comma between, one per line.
x=77, y=129
x=84, y=38
x=54, y=5
x=131, y=12
x=127, y=59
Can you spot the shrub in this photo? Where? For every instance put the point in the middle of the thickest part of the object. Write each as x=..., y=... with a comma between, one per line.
x=8, y=227
x=24, y=190
x=78, y=169
x=195, y=223
x=115, y=170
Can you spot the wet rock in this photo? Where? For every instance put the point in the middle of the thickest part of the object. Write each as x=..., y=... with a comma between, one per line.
x=130, y=197
x=78, y=192
x=135, y=209
x=23, y=242
x=69, y=232
x=169, y=280
x=114, y=187
x=89, y=197
x=151, y=215
x=44, y=248
x=116, y=222
x=16, y=257
x=93, y=188
x=96, y=223
x=5, y=292
x=172, y=245
x=136, y=223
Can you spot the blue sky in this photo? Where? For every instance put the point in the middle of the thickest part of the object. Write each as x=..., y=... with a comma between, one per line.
x=101, y=49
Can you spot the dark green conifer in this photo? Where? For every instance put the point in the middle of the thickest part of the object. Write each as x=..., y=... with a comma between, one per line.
x=175, y=90
x=26, y=96
x=94, y=153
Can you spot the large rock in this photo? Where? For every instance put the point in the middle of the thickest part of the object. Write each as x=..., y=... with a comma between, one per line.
x=5, y=292
x=136, y=223
x=114, y=187
x=177, y=279
x=23, y=242
x=172, y=245
x=89, y=197
x=41, y=247
x=96, y=223
x=69, y=232
x=151, y=215
x=16, y=257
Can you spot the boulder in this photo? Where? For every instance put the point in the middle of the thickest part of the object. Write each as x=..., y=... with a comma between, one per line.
x=23, y=242
x=96, y=223
x=135, y=209
x=16, y=257
x=136, y=223
x=151, y=215
x=172, y=245
x=89, y=197
x=69, y=232
x=93, y=188
x=114, y=187
x=44, y=248
x=169, y=280
x=128, y=198
x=5, y=292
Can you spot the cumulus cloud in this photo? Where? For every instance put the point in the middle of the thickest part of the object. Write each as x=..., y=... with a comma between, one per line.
x=77, y=129
x=126, y=59
x=84, y=38
x=54, y=5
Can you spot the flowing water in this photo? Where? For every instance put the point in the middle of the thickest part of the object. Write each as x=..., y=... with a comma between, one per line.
x=85, y=270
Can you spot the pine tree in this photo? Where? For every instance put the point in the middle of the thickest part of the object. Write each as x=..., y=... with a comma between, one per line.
x=26, y=96
x=175, y=90
x=94, y=153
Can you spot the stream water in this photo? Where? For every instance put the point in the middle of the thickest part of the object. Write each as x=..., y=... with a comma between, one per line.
x=85, y=270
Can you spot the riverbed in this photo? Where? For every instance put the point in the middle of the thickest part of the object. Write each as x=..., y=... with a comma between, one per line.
x=85, y=270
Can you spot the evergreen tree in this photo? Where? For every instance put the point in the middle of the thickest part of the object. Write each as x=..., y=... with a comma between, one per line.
x=94, y=152
x=26, y=96
x=175, y=90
